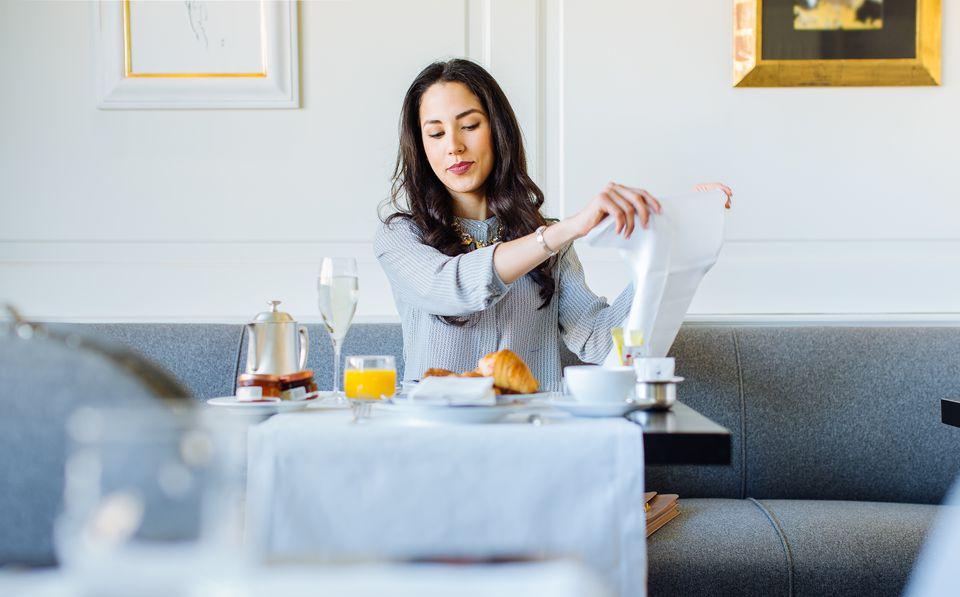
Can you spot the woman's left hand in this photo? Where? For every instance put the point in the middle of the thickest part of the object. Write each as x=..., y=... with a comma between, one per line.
x=713, y=186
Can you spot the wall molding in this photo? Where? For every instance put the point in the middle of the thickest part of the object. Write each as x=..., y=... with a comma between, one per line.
x=310, y=250
x=757, y=319
x=551, y=117
x=478, y=31
x=829, y=282
x=508, y=37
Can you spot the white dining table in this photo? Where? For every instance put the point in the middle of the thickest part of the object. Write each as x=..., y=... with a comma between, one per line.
x=321, y=485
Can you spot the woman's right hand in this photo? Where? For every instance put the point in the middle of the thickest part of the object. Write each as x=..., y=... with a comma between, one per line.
x=615, y=201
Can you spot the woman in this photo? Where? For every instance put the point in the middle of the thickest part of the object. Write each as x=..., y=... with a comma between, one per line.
x=473, y=265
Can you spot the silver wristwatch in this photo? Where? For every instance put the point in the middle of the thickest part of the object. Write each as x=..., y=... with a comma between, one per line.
x=543, y=243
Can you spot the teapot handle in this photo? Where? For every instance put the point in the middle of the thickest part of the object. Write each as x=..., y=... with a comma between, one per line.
x=251, y=349
x=304, y=346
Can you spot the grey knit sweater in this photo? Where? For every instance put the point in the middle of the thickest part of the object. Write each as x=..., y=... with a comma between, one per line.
x=426, y=283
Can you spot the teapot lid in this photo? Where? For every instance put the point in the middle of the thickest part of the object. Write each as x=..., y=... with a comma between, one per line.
x=273, y=315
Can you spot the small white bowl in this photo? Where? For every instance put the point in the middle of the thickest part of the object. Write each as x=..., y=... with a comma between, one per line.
x=595, y=384
x=654, y=369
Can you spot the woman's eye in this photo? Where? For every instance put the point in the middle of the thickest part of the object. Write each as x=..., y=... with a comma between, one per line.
x=436, y=135
x=472, y=126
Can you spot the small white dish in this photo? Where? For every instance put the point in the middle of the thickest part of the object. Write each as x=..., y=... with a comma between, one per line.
x=599, y=409
x=674, y=379
x=455, y=391
x=654, y=369
x=265, y=406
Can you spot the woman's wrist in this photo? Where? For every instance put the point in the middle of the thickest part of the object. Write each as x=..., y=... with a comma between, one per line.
x=559, y=235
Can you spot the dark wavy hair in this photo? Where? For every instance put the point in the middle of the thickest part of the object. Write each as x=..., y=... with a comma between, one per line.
x=512, y=196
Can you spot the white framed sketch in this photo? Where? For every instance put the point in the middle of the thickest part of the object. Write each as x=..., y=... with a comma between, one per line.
x=197, y=54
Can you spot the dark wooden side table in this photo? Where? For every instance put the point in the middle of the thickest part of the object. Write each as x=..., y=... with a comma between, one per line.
x=682, y=435
x=950, y=411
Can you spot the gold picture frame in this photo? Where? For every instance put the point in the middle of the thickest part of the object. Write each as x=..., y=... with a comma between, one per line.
x=752, y=68
x=128, y=69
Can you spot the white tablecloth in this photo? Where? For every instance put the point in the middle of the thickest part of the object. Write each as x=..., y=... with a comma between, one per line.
x=322, y=486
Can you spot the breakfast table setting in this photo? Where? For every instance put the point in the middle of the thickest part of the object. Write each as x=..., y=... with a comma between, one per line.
x=469, y=465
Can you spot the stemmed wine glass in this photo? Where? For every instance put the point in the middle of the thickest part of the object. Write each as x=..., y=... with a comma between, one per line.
x=338, y=292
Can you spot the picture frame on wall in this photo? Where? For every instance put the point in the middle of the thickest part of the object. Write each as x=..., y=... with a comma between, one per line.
x=197, y=54
x=794, y=43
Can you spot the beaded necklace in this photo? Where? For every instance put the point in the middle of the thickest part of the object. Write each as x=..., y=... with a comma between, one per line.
x=467, y=240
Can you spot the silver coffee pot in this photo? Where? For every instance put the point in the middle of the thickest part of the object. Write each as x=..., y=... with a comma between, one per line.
x=272, y=346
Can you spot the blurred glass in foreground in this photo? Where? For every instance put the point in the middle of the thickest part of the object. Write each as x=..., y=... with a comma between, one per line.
x=152, y=501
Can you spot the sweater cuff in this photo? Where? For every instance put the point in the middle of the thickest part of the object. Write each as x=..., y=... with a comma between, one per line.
x=496, y=285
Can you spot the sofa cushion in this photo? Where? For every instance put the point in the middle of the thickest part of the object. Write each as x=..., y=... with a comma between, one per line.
x=202, y=356
x=717, y=547
x=786, y=547
x=851, y=548
x=849, y=413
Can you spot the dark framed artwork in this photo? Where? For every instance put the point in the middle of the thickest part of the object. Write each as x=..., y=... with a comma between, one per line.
x=789, y=43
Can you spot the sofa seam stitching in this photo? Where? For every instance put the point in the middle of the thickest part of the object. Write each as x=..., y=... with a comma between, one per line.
x=787, y=553
x=743, y=417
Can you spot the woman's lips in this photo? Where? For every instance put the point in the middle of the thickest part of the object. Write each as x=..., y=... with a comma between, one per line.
x=460, y=167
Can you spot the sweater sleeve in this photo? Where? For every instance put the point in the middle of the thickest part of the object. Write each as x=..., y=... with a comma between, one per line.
x=424, y=278
x=585, y=319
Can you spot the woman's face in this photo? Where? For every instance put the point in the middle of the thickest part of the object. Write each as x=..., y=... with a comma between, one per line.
x=456, y=136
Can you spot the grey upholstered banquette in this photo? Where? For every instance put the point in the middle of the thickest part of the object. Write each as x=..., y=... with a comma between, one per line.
x=839, y=456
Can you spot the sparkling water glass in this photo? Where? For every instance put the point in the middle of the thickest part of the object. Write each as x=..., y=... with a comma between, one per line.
x=338, y=292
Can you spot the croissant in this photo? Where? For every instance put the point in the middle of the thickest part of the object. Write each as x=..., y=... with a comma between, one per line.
x=509, y=372
x=437, y=372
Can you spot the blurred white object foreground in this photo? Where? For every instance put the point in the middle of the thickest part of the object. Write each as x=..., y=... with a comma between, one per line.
x=935, y=572
x=667, y=260
x=558, y=579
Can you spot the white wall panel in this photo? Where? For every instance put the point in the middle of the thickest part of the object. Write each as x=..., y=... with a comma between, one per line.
x=845, y=206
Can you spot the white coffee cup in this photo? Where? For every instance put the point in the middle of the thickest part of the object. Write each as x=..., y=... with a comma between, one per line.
x=654, y=369
x=595, y=383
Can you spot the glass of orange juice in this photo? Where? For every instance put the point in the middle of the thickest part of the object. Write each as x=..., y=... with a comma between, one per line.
x=370, y=377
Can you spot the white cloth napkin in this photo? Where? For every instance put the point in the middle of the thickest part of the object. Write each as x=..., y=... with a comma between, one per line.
x=321, y=486
x=667, y=260
x=455, y=391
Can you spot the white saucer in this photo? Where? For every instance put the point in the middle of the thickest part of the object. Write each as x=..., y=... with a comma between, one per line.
x=434, y=413
x=502, y=399
x=323, y=402
x=599, y=409
x=267, y=406
x=507, y=399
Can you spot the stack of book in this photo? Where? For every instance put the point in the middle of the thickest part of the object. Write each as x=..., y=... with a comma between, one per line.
x=661, y=508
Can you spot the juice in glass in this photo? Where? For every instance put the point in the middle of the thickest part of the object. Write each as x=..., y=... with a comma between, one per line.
x=370, y=377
